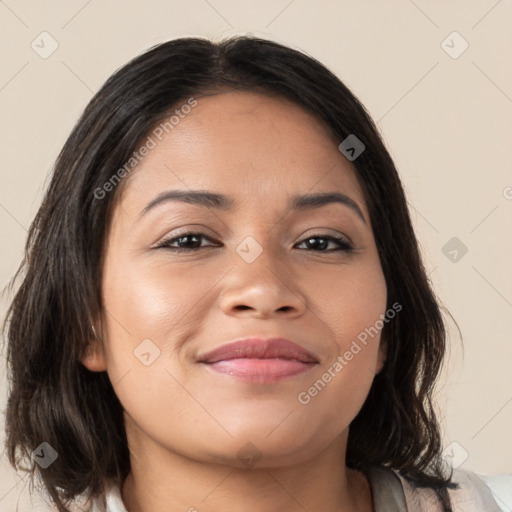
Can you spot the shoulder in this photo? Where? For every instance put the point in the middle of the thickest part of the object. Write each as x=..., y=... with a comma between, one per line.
x=471, y=495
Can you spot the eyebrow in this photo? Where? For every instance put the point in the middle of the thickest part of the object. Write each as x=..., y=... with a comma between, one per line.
x=222, y=202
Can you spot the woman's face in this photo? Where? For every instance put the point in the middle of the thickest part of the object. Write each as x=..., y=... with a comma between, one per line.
x=257, y=267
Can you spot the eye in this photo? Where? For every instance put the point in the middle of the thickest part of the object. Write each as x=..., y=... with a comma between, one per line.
x=320, y=242
x=185, y=242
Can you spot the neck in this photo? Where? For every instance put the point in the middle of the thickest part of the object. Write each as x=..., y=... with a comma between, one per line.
x=162, y=480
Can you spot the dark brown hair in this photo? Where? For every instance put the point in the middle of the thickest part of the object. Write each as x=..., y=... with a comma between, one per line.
x=55, y=399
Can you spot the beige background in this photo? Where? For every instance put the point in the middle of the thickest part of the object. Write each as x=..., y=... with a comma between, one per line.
x=447, y=122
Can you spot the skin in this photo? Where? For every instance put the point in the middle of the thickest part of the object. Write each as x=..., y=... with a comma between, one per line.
x=186, y=424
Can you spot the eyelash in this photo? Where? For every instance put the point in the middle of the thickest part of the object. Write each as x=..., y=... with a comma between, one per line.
x=343, y=244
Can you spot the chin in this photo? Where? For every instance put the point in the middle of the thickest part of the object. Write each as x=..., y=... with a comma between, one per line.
x=255, y=449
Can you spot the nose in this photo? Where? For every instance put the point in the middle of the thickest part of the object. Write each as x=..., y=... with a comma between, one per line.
x=262, y=289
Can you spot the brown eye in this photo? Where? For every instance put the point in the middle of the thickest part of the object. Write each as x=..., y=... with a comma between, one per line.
x=319, y=243
x=184, y=242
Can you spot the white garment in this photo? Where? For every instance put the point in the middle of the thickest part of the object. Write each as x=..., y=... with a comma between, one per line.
x=109, y=502
x=388, y=495
x=501, y=488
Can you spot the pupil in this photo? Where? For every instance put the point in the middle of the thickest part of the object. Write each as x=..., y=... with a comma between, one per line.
x=320, y=243
x=193, y=238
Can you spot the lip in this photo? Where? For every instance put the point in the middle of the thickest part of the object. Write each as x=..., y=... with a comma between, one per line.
x=260, y=360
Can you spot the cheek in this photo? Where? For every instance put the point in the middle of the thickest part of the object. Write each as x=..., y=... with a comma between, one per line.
x=150, y=301
x=351, y=299
x=151, y=311
x=351, y=303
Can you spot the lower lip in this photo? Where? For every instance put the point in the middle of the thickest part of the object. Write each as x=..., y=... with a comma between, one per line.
x=261, y=370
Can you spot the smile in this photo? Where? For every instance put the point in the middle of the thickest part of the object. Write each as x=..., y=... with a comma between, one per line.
x=260, y=361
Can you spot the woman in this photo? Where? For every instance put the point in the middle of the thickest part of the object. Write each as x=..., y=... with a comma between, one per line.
x=223, y=304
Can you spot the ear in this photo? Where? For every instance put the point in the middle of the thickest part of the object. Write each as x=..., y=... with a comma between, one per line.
x=95, y=359
x=382, y=354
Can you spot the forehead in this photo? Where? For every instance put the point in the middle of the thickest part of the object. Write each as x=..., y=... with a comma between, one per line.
x=248, y=145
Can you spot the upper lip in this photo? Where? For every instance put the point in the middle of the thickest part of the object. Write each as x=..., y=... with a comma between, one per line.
x=258, y=348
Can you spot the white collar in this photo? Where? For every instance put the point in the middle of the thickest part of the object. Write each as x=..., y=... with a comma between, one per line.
x=111, y=501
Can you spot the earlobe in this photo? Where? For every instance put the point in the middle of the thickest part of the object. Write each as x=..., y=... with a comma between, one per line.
x=95, y=359
x=379, y=365
x=381, y=357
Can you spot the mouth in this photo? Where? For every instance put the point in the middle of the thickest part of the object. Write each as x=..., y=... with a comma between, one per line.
x=260, y=360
